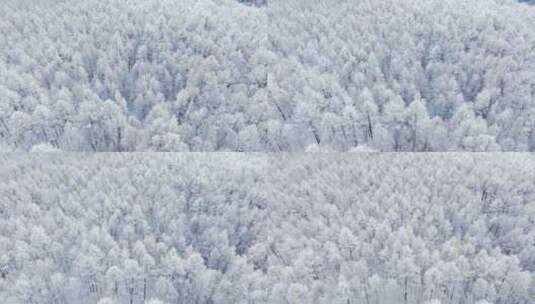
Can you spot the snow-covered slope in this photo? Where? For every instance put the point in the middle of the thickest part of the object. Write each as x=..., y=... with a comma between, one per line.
x=278, y=229
x=218, y=75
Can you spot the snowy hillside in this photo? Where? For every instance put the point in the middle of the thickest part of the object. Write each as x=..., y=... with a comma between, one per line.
x=287, y=229
x=300, y=75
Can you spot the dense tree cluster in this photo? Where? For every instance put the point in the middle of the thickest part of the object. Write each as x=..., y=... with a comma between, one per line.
x=130, y=75
x=406, y=75
x=287, y=229
x=218, y=75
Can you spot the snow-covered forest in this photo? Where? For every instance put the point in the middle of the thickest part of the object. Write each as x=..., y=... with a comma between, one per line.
x=257, y=75
x=281, y=229
x=267, y=76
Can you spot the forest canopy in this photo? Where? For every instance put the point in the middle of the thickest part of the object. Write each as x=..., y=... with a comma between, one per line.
x=314, y=75
x=353, y=228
